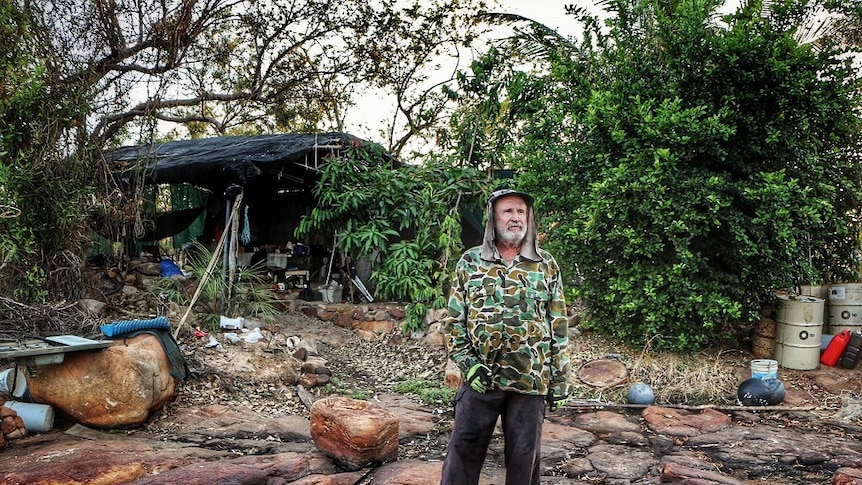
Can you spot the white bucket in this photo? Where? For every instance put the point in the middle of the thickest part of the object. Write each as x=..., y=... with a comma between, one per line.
x=799, y=324
x=38, y=418
x=764, y=369
x=331, y=294
x=13, y=382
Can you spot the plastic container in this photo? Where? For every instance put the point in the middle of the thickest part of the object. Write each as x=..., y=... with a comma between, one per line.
x=13, y=382
x=851, y=353
x=231, y=323
x=825, y=339
x=836, y=348
x=38, y=418
x=331, y=294
x=764, y=369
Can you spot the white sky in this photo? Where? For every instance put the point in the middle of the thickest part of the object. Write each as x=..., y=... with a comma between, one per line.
x=549, y=12
x=368, y=118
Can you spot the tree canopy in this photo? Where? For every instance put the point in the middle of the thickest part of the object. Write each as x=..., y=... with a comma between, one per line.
x=690, y=164
x=83, y=76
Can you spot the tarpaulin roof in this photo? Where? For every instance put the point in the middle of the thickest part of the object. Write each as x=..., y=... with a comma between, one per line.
x=217, y=163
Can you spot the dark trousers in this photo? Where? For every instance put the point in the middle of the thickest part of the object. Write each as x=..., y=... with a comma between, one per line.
x=475, y=418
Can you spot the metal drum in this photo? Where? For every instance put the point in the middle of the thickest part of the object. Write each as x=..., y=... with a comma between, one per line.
x=845, y=308
x=798, y=326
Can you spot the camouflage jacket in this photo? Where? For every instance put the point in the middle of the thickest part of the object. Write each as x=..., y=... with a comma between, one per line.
x=512, y=319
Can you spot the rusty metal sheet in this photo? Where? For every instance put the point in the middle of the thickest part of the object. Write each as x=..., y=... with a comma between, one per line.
x=59, y=344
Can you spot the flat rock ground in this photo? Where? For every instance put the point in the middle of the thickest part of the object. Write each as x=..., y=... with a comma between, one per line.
x=240, y=419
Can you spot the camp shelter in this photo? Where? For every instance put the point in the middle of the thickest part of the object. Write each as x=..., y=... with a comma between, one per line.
x=274, y=173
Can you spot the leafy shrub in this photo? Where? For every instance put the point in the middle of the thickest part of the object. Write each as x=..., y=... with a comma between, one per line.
x=430, y=392
x=249, y=295
x=410, y=216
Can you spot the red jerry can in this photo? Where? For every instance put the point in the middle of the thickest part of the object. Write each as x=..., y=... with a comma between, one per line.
x=835, y=348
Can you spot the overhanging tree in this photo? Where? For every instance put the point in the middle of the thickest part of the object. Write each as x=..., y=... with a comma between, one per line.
x=85, y=75
x=689, y=165
x=45, y=176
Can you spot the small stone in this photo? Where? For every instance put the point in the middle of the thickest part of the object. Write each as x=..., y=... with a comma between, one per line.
x=308, y=380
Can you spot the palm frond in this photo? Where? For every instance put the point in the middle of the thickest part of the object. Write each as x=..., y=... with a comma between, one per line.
x=531, y=39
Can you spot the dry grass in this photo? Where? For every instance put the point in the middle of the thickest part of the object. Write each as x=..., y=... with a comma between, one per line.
x=706, y=377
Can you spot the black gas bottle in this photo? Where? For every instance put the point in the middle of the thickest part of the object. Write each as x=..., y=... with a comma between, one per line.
x=851, y=354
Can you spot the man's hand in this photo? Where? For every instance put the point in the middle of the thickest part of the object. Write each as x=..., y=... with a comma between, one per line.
x=479, y=378
x=557, y=401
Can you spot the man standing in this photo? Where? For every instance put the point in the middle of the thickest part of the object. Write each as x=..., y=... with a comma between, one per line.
x=508, y=334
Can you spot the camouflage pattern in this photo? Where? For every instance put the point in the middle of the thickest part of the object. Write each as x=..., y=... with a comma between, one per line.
x=513, y=320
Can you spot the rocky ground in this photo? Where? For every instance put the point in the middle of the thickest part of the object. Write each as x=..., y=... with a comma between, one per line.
x=240, y=419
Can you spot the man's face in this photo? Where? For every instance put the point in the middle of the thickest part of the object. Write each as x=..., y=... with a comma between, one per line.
x=510, y=219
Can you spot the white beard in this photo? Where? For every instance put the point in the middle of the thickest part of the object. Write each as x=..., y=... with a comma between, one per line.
x=511, y=237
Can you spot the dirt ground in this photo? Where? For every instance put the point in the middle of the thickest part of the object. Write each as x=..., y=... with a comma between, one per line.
x=260, y=374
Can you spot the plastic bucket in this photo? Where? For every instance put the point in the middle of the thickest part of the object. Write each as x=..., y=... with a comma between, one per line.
x=13, y=382
x=38, y=418
x=764, y=369
x=331, y=294
x=798, y=326
x=845, y=308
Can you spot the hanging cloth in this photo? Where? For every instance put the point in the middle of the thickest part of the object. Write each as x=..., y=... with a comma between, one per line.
x=245, y=236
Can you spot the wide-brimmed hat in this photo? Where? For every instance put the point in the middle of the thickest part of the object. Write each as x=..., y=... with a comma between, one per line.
x=504, y=192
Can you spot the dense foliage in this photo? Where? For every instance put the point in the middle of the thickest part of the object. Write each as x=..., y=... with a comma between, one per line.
x=46, y=175
x=405, y=218
x=686, y=166
x=78, y=74
x=690, y=165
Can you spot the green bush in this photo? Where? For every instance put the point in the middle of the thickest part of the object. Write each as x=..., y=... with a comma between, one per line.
x=687, y=167
x=408, y=216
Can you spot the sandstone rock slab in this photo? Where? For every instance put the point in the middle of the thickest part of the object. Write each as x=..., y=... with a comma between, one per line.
x=354, y=433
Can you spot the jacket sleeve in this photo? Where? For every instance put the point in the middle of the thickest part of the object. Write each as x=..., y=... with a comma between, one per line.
x=559, y=324
x=459, y=343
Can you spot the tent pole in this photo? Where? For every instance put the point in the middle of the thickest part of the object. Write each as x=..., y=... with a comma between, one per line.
x=231, y=253
x=226, y=232
x=331, y=258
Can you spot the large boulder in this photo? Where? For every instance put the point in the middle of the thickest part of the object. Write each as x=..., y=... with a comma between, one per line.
x=354, y=433
x=115, y=387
